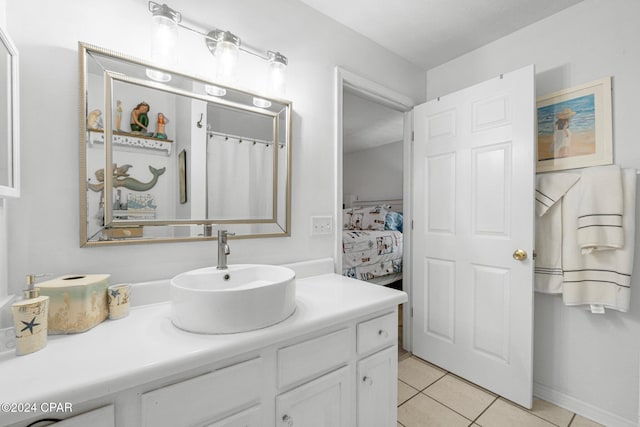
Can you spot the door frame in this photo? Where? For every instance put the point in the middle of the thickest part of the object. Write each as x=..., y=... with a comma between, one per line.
x=390, y=98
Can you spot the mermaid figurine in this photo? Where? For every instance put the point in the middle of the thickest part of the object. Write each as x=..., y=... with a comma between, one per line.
x=139, y=118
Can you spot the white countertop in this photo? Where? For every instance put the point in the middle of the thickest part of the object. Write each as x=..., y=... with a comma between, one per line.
x=145, y=346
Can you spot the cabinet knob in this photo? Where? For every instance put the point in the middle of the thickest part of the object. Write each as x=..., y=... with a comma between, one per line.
x=382, y=333
x=287, y=420
x=367, y=380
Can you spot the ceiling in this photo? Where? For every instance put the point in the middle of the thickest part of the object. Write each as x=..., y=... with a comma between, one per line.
x=431, y=32
x=367, y=124
x=426, y=33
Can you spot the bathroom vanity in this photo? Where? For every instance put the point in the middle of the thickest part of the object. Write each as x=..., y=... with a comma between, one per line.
x=334, y=359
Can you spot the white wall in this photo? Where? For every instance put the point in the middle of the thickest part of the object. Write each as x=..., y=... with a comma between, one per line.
x=375, y=173
x=44, y=223
x=4, y=273
x=584, y=360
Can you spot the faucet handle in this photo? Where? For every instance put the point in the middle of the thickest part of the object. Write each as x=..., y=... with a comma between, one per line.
x=224, y=233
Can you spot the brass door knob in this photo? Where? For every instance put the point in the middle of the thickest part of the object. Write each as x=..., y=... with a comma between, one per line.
x=520, y=255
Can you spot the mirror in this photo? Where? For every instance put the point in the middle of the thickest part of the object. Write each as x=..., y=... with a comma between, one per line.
x=169, y=161
x=9, y=119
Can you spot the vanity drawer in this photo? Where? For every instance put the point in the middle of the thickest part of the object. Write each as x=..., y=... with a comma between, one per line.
x=103, y=417
x=377, y=333
x=251, y=417
x=310, y=358
x=203, y=398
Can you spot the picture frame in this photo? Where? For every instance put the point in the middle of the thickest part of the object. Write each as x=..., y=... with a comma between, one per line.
x=182, y=176
x=575, y=127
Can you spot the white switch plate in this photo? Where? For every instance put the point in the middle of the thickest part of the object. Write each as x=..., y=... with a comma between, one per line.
x=321, y=225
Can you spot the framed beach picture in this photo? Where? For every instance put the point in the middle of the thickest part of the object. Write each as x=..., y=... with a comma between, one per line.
x=574, y=127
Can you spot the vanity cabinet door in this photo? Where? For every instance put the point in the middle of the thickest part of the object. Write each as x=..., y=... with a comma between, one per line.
x=323, y=402
x=378, y=389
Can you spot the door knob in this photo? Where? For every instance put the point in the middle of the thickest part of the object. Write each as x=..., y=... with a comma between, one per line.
x=520, y=255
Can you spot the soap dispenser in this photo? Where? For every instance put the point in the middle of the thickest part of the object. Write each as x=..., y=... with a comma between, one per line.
x=30, y=319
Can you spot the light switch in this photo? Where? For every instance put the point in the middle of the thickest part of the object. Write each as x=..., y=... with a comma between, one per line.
x=321, y=225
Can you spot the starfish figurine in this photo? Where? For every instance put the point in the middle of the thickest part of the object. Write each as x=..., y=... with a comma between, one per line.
x=30, y=325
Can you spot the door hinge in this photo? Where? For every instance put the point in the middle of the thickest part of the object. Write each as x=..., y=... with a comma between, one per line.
x=411, y=311
x=534, y=255
x=413, y=136
x=411, y=224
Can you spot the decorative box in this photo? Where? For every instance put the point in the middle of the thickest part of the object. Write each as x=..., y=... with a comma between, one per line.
x=77, y=303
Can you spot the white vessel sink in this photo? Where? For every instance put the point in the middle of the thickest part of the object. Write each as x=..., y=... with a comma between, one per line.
x=238, y=299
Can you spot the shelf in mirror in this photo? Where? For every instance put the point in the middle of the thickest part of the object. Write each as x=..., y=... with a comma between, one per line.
x=125, y=140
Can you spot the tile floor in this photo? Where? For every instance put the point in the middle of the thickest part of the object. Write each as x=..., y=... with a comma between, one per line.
x=431, y=397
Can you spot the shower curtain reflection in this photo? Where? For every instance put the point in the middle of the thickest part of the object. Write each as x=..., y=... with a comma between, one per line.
x=236, y=173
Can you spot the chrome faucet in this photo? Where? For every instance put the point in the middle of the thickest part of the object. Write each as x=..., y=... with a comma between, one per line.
x=223, y=249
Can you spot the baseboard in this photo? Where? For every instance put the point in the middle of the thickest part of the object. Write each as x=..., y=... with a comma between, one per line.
x=582, y=408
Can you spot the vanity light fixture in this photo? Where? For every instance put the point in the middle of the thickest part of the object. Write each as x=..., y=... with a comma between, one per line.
x=275, y=79
x=277, y=67
x=224, y=45
x=164, y=40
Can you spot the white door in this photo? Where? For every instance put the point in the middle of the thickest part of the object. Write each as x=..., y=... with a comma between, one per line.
x=473, y=208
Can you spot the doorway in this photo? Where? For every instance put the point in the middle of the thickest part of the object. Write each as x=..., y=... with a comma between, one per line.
x=373, y=125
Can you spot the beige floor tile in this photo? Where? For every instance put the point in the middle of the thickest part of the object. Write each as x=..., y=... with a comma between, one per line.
x=461, y=396
x=418, y=373
x=503, y=414
x=580, y=421
x=405, y=392
x=552, y=413
x=422, y=411
x=474, y=385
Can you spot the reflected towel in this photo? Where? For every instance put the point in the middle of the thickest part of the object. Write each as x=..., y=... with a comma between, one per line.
x=550, y=189
x=600, y=211
x=602, y=277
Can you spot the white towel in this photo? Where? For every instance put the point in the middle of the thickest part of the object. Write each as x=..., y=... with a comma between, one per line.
x=600, y=211
x=600, y=277
x=550, y=188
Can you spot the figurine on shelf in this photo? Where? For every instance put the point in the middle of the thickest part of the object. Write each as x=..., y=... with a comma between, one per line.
x=118, y=114
x=139, y=118
x=95, y=120
x=162, y=121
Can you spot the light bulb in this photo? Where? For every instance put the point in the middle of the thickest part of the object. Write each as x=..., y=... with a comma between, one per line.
x=215, y=90
x=261, y=102
x=276, y=74
x=164, y=40
x=227, y=55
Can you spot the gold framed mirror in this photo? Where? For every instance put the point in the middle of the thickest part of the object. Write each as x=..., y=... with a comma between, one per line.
x=182, y=160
